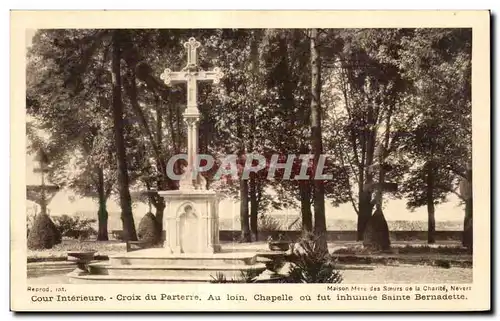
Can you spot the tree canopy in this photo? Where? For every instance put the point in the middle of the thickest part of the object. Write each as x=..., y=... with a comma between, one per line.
x=345, y=93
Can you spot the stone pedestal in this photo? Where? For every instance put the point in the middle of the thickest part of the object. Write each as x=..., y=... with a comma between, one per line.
x=191, y=252
x=82, y=260
x=191, y=221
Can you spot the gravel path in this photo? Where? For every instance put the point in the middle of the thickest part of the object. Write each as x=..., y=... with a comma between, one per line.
x=416, y=274
x=380, y=275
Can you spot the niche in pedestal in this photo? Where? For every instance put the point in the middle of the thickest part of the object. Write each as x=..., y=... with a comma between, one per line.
x=189, y=229
x=191, y=221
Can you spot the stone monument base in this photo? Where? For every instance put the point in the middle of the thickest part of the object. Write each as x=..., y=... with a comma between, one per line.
x=159, y=266
x=191, y=221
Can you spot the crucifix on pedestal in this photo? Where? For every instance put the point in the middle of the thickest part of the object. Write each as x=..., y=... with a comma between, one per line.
x=192, y=220
x=191, y=74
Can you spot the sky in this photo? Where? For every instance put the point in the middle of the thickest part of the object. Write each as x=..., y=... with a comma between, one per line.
x=66, y=202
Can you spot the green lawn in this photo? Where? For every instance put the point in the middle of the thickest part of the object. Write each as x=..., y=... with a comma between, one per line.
x=59, y=252
x=393, y=269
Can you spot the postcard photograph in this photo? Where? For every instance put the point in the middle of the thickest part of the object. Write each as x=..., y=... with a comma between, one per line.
x=260, y=161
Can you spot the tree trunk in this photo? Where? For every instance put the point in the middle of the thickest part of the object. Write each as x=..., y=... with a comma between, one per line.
x=160, y=209
x=376, y=236
x=376, y=233
x=365, y=212
x=254, y=208
x=305, y=206
x=362, y=219
x=244, y=210
x=316, y=139
x=467, y=240
x=159, y=202
x=102, y=214
x=43, y=195
x=123, y=179
x=254, y=96
x=305, y=190
x=431, y=220
x=365, y=195
x=245, y=228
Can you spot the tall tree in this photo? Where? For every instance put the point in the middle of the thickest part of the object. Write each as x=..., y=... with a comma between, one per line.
x=289, y=106
x=437, y=63
x=74, y=122
x=256, y=36
x=235, y=114
x=373, y=113
x=316, y=136
x=157, y=109
x=225, y=113
x=121, y=155
x=467, y=194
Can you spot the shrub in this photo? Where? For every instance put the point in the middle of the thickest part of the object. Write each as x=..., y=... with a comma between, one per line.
x=219, y=278
x=311, y=263
x=57, y=232
x=149, y=229
x=376, y=236
x=43, y=233
x=443, y=264
x=275, y=263
x=248, y=276
x=424, y=249
x=75, y=227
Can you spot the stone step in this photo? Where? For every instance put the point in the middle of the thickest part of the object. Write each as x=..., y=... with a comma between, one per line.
x=158, y=256
x=108, y=279
x=50, y=264
x=49, y=271
x=49, y=268
x=229, y=271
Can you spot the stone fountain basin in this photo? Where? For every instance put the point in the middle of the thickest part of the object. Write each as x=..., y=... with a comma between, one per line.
x=279, y=245
x=81, y=255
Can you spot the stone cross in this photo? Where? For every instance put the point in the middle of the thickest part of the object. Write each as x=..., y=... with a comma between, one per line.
x=190, y=75
x=43, y=161
x=380, y=187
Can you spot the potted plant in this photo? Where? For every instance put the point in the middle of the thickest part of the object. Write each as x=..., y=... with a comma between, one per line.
x=278, y=245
